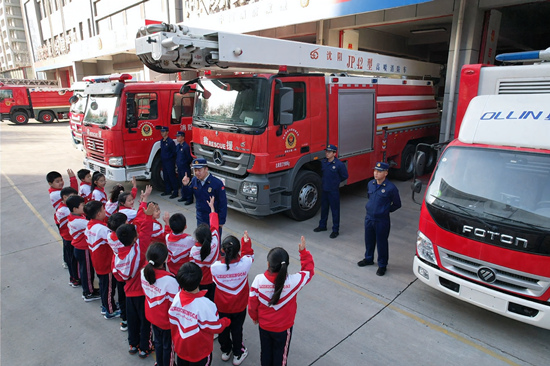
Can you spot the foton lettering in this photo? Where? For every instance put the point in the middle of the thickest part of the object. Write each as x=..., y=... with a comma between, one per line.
x=494, y=236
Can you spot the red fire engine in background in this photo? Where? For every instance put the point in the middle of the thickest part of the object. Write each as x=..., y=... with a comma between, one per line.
x=19, y=103
x=78, y=102
x=264, y=134
x=121, y=123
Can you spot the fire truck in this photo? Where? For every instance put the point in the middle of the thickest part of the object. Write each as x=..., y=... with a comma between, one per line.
x=264, y=130
x=484, y=222
x=76, y=113
x=121, y=125
x=19, y=103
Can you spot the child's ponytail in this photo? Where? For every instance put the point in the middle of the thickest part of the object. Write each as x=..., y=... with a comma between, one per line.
x=204, y=238
x=231, y=247
x=156, y=256
x=278, y=260
x=116, y=193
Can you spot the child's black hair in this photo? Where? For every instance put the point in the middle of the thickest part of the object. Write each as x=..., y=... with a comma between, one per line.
x=126, y=234
x=82, y=173
x=92, y=208
x=115, y=220
x=116, y=193
x=67, y=191
x=157, y=254
x=278, y=259
x=53, y=175
x=177, y=223
x=204, y=238
x=122, y=198
x=231, y=246
x=189, y=276
x=74, y=202
x=95, y=177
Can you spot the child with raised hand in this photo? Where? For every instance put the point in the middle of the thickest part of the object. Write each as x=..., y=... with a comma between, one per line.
x=179, y=244
x=98, y=187
x=62, y=216
x=160, y=288
x=272, y=302
x=77, y=226
x=193, y=319
x=97, y=234
x=206, y=250
x=114, y=222
x=111, y=206
x=85, y=189
x=159, y=231
x=126, y=201
x=231, y=297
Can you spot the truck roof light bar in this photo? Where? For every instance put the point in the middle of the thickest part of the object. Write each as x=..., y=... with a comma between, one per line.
x=542, y=55
x=107, y=78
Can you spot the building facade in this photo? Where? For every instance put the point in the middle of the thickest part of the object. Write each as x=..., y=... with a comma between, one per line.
x=14, y=56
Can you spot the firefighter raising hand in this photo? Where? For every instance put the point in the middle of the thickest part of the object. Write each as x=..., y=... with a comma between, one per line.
x=185, y=180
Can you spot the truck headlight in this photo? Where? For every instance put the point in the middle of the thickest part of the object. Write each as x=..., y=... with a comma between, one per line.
x=425, y=248
x=249, y=188
x=116, y=161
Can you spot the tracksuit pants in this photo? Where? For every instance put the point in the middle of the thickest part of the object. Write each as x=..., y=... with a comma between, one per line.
x=139, y=328
x=107, y=288
x=274, y=347
x=231, y=339
x=69, y=258
x=163, y=346
x=85, y=269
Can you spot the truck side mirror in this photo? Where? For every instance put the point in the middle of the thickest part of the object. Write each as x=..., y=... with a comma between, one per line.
x=73, y=99
x=419, y=163
x=286, y=97
x=416, y=186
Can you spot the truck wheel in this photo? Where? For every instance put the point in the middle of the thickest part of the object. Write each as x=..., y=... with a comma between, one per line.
x=306, y=196
x=157, y=179
x=19, y=118
x=405, y=172
x=46, y=117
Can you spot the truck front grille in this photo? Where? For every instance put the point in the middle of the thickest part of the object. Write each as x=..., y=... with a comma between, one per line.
x=95, y=144
x=506, y=279
x=524, y=87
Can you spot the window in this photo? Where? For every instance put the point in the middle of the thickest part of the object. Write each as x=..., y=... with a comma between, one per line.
x=5, y=93
x=182, y=107
x=146, y=105
x=299, y=110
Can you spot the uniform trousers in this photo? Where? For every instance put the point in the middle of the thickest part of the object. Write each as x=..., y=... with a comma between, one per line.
x=231, y=338
x=85, y=269
x=169, y=176
x=121, y=299
x=377, y=232
x=332, y=199
x=207, y=361
x=139, y=328
x=163, y=346
x=107, y=287
x=274, y=347
x=211, y=290
x=69, y=258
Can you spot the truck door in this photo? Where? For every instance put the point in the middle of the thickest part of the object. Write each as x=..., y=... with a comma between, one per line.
x=6, y=101
x=182, y=114
x=140, y=133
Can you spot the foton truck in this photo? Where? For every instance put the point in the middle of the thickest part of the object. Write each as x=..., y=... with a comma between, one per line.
x=484, y=231
x=120, y=129
x=265, y=134
x=76, y=112
x=19, y=103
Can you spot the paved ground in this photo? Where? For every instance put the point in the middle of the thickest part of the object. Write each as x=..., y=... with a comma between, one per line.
x=346, y=316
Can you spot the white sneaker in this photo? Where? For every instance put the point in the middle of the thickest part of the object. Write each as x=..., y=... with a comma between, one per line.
x=216, y=336
x=238, y=360
x=226, y=356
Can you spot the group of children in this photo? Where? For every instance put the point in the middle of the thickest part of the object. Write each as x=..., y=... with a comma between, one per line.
x=176, y=289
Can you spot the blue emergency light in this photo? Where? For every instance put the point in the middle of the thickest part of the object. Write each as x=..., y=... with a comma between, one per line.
x=542, y=55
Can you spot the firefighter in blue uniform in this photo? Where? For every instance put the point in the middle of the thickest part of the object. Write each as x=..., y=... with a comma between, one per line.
x=334, y=172
x=204, y=185
x=183, y=162
x=168, y=159
x=383, y=199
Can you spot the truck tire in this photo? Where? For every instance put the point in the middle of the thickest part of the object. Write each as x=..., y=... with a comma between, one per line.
x=46, y=117
x=306, y=196
x=405, y=172
x=19, y=118
x=157, y=179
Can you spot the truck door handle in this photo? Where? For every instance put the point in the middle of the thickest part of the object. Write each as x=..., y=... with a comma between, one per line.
x=304, y=149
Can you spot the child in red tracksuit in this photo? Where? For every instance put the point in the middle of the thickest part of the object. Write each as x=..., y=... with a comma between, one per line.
x=98, y=187
x=97, y=234
x=231, y=298
x=160, y=232
x=77, y=226
x=179, y=243
x=272, y=302
x=127, y=264
x=160, y=288
x=123, y=201
x=85, y=189
x=62, y=216
x=114, y=222
x=193, y=319
x=206, y=250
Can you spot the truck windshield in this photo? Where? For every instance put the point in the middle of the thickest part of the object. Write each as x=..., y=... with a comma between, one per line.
x=508, y=187
x=233, y=101
x=101, y=110
x=79, y=106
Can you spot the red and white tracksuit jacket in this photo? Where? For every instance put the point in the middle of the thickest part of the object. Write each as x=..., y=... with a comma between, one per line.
x=98, y=194
x=193, y=321
x=55, y=195
x=232, y=290
x=195, y=253
x=114, y=243
x=102, y=254
x=159, y=297
x=85, y=191
x=159, y=232
x=179, y=246
x=278, y=317
x=77, y=226
x=110, y=208
x=62, y=217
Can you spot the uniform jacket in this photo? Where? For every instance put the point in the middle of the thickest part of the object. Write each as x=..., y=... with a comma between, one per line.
x=383, y=199
x=62, y=216
x=159, y=297
x=159, y=232
x=334, y=173
x=114, y=243
x=195, y=253
x=168, y=150
x=55, y=196
x=212, y=187
x=77, y=227
x=98, y=194
x=278, y=317
x=183, y=158
x=179, y=246
x=102, y=254
x=85, y=191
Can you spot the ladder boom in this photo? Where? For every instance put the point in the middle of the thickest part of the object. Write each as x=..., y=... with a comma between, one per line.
x=170, y=48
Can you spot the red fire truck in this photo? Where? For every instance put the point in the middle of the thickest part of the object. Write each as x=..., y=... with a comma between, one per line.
x=484, y=223
x=19, y=103
x=121, y=123
x=76, y=113
x=264, y=134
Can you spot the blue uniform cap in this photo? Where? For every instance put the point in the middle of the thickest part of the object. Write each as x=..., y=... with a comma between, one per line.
x=180, y=133
x=331, y=148
x=381, y=166
x=199, y=163
x=164, y=129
